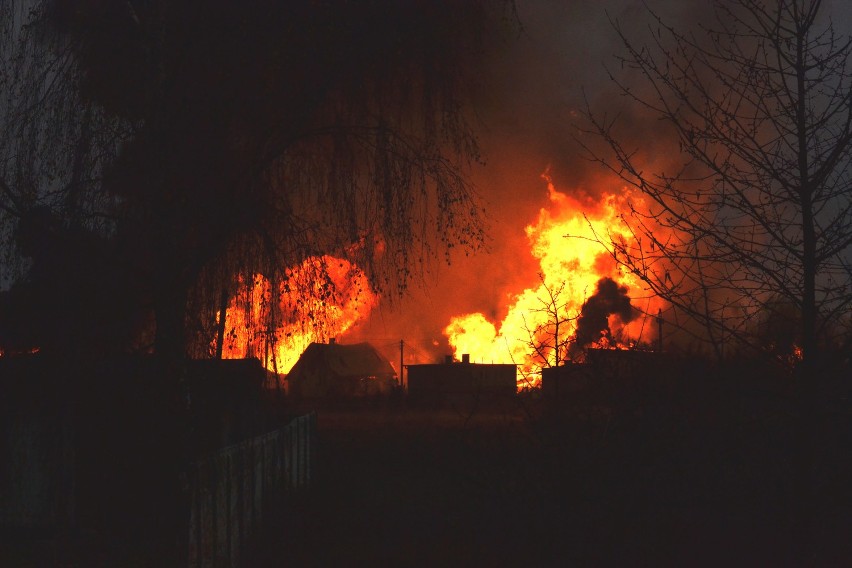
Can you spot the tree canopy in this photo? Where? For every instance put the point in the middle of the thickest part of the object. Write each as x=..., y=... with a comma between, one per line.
x=188, y=143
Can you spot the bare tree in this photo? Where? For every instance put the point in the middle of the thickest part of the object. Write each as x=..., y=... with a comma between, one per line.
x=550, y=338
x=759, y=214
x=760, y=104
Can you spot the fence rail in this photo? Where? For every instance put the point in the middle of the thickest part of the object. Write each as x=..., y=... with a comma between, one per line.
x=232, y=491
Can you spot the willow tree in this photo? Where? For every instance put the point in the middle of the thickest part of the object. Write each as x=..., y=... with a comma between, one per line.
x=54, y=146
x=264, y=134
x=759, y=212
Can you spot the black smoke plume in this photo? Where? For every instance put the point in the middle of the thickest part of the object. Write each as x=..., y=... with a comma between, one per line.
x=609, y=298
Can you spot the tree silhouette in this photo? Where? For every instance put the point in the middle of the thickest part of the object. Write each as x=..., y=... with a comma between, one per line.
x=235, y=141
x=55, y=219
x=759, y=214
x=549, y=340
x=761, y=207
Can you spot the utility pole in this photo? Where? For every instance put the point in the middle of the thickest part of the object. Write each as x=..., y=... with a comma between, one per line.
x=660, y=330
x=220, y=325
x=401, y=343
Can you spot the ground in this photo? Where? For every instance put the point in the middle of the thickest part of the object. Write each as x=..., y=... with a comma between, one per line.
x=707, y=484
x=700, y=473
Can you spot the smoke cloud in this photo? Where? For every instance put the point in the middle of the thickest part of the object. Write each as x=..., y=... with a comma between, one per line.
x=609, y=298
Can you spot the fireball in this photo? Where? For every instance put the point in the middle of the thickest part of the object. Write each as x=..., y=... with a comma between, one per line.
x=321, y=298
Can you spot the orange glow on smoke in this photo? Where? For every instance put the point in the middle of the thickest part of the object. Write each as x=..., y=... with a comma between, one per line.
x=321, y=298
x=571, y=263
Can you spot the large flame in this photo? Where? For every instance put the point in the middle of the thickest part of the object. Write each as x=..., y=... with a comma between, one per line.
x=565, y=240
x=321, y=298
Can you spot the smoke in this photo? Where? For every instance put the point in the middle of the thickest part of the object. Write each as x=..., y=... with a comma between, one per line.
x=609, y=298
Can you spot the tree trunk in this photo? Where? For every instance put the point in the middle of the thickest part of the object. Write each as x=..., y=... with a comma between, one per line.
x=170, y=313
x=805, y=376
x=220, y=325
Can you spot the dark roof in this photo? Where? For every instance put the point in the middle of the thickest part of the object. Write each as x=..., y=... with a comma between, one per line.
x=335, y=359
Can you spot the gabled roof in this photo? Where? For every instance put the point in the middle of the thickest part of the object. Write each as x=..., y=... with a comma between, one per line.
x=335, y=359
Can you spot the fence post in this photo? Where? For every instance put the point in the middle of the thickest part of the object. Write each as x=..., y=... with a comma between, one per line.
x=258, y=486
x=300, y=458
x=193, y=531
x=312, y=446
x=234, y=485
x=220, y=507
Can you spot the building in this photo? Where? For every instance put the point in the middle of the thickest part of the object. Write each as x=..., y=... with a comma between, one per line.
x=442, y=382
x=333, y=370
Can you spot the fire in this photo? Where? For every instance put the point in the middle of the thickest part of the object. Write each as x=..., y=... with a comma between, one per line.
x=322, y=297
x=541, y=326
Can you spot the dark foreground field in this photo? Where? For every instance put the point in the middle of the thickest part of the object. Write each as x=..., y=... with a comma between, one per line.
x=704, y=479
x=693, y=472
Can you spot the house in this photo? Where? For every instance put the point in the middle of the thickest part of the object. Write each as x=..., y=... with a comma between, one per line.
x=449, y=381
x=334, y=370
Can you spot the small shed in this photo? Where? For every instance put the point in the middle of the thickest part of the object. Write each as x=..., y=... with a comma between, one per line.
x=333, y=370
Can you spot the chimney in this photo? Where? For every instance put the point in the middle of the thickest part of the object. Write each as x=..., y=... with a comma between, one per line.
x=332, y=340
x=466, y=358
x=448, y=359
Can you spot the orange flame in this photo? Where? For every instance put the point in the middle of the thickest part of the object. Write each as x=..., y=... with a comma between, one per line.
x=571, y=262
x=323, y=297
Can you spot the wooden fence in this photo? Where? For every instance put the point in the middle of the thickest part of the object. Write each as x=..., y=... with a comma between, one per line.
x=231, y=493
